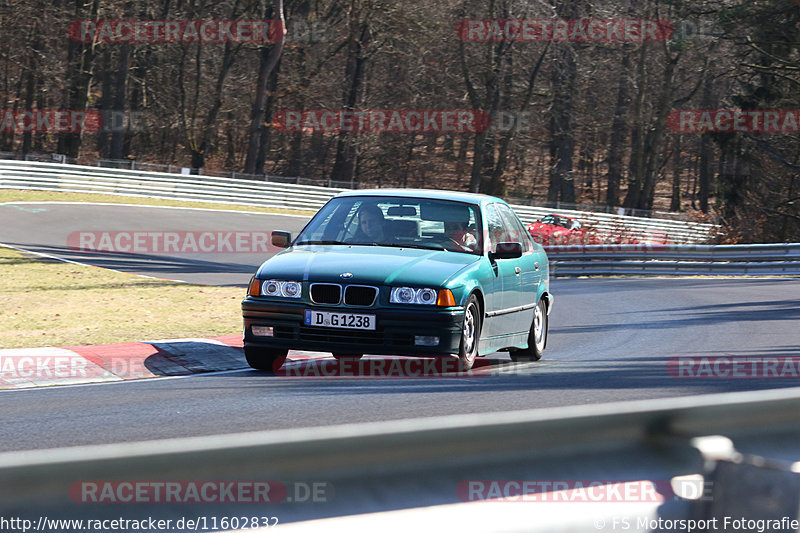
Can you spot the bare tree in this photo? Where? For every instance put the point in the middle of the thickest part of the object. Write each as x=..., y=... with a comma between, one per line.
x=269, y=58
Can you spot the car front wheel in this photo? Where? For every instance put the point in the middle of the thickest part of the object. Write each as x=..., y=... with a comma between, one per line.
x=537, y=338
x=470, y=333
x=269, y=360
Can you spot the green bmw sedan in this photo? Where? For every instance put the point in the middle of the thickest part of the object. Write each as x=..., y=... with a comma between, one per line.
x=401, y=272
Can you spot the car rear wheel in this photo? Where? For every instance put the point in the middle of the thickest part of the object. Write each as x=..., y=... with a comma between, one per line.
x=537, y=338
x=348, y=356
x=470, y=334
x=267, y=359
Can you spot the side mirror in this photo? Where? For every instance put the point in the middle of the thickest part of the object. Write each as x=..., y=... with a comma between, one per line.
x=507, y=250
x=281, y=239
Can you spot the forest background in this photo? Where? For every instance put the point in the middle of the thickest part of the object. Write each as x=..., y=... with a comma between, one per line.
x=583, y=120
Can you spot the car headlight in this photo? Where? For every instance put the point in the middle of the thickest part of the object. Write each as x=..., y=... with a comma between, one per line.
x=282, y=289
x=409, y=295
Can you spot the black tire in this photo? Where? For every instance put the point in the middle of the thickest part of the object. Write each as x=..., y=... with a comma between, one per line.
x=470, y=334
x=348, y=356
x=267, y=359
x=537, y=338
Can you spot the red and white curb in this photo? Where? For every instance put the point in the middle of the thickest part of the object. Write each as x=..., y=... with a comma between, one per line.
x=39, y=367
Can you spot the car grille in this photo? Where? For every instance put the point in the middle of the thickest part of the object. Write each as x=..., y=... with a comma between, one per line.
x=326, y=293
x=360, y=295
x=355, y=295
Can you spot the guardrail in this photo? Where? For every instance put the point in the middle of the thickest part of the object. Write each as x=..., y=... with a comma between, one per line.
x=133, y=164
x=634, y=259
x=75, y=178
x=276, y=193
x=675, y=231
x=609, y=259
x=426, y=469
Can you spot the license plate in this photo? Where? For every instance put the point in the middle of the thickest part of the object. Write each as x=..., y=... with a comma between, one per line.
x=328, y=319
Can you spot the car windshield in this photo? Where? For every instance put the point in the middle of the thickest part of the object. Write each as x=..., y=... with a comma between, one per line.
x=557, y=221
x=397, y=222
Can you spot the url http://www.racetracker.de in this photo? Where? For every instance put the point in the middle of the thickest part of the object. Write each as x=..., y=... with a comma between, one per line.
x=46, y=524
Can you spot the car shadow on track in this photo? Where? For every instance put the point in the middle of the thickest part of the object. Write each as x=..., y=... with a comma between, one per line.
x=497, y=373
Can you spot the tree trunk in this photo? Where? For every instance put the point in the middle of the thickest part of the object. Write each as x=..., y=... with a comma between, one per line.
x=675, y=199
x=199, y=149
x=31, y=83
x=655, y=134
x=295, y=159
x=117, y=149
x=706, y=150
x=80, y=59
x=636, y=166
x=618, y=131
x=268, y=60
x=106, y=102
x=266, y=131
x=344, y=166
x=507, y=137
x=562, y=143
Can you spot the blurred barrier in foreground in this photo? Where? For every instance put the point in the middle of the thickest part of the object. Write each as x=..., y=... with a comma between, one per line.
x=597, y=468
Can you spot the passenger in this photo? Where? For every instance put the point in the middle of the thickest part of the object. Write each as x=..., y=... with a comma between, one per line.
x=462, y=234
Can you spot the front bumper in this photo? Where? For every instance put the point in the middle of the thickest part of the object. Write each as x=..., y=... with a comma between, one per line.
x=395, y=333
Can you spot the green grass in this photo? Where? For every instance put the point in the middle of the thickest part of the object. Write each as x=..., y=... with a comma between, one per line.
x=52, y=303
x=14, y=195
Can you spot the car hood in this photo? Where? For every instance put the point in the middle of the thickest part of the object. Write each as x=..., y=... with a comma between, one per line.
x=375, y=265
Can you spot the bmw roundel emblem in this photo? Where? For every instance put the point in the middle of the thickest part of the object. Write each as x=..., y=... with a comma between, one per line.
x=346, y=275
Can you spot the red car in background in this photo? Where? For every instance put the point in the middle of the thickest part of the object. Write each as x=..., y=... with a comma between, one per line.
x=557, y=229
x=554, y=230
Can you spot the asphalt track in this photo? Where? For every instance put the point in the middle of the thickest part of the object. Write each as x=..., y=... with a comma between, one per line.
x=611, y=339
x=56, y=229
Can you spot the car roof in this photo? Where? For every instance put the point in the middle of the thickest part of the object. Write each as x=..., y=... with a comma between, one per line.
x=433, y=194
x=560, y=216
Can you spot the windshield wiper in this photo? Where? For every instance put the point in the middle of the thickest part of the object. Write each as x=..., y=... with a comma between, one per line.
x=320, y=242
x=416, y=246
x=389, y=245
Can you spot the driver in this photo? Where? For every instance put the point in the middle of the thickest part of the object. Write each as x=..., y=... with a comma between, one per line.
x=371, y=225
